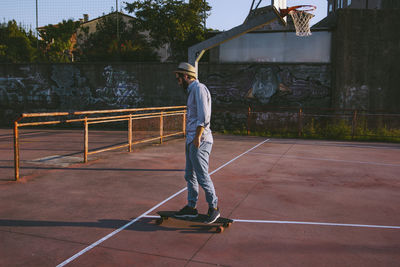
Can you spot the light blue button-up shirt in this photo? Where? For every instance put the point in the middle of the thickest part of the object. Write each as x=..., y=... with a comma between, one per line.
x=198, y=112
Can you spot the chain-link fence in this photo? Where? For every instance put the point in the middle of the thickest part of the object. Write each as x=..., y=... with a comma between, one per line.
x=62, y=31
x=339, y=124
x=38, y=13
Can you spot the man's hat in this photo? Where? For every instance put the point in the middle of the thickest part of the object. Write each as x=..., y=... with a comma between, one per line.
x=186, y=68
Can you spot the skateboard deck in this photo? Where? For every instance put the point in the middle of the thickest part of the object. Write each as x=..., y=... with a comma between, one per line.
x=220, y=224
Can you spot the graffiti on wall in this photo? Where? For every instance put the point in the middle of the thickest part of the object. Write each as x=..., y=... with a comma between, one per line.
x=9, y=88
x=266, y=84
x=269, y=85
x=26, y=89
x=66, y=88
x=121, y=89
x=355, y=97
x=69, y=87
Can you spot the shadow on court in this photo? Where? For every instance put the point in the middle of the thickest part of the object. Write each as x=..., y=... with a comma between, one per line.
x=144, y=225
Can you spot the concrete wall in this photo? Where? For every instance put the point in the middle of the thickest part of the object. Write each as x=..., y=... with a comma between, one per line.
x=71, y=87
x=283, y=47
x=365, y=60
x=236, y=86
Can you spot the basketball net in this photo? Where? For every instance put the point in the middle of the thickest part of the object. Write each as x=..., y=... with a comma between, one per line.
x=301, y=21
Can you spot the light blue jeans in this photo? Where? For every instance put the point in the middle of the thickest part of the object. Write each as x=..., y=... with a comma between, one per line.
x=196, y=172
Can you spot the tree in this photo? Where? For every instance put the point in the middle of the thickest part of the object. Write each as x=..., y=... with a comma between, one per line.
x=106, y=44
x=173, y=22
x=16, y=44
x=57, y=41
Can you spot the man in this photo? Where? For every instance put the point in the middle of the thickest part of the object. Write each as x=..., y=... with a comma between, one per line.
x=199, y=142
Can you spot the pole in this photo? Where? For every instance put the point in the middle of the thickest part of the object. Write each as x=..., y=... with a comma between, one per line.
x=86, y=141
x=161, y=127
x=205, y=15
x=248, y=120
x=265, y=17
x=37, y=25
x=300, y=122
x=16, y=151
x=354, y=125
x=130, y=133
x=116, y=4
x=184, y=123
x=252, y=5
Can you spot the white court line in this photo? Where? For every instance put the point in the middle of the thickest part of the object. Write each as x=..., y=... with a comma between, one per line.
x=319, y=223
x=327, y=143
x=147, y=212
x=305, y=223
x=117, y=231
x=334, y=160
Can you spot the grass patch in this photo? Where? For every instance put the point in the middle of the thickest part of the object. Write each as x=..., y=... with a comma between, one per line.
x=340, y=130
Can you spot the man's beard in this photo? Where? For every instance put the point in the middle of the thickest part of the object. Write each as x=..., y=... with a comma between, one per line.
x=185, y=86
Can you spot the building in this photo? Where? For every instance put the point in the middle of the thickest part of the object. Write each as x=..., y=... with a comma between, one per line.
x=334, y=5
x=90, y=25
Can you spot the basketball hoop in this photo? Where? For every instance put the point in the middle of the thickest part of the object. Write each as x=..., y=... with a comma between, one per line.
x=301, y=18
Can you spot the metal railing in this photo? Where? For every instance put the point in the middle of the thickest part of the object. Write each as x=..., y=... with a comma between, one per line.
x=129, y=115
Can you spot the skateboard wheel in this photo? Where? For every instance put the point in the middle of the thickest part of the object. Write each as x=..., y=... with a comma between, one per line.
x=227, y=225
x=159, y=221
x=220, y=229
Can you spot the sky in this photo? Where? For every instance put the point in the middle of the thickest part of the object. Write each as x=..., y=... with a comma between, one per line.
x=225, y=14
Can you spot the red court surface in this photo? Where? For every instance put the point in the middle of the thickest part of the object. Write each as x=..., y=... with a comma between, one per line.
x=294, y=202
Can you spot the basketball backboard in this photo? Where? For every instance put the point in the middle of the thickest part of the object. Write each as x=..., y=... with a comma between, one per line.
x=279, y=4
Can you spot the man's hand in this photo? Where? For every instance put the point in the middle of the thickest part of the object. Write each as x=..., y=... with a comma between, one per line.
x=197, y=138
x=196, y=142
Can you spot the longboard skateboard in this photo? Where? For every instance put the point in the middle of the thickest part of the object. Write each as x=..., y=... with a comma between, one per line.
x=220, y=224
